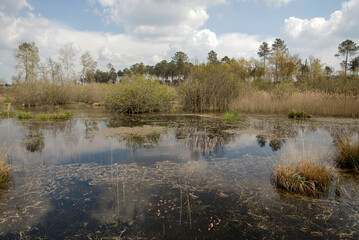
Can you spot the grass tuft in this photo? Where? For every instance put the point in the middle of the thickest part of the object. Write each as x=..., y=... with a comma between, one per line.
x=5, y=174
x=347, y=153
x=299, y=114
x=231, y=116
x=303, y=172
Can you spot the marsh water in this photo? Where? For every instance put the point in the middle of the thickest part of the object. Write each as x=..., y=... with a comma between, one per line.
x=167, y=176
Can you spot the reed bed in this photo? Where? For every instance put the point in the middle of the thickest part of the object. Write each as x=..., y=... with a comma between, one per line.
x=46, y=93
x=317, y=103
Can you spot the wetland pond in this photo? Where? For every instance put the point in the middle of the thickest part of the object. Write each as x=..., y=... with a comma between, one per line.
x=99, y=176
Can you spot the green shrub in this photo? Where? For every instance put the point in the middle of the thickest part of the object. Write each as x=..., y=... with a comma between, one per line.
x=210, y=87
x=347, y=153
x=231, y=116
x=299, y=114
x=137, y=94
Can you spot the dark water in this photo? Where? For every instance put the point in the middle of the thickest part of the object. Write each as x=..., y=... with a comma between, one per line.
x=174, y=177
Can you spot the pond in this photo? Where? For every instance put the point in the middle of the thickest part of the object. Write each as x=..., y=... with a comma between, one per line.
x=99, y=176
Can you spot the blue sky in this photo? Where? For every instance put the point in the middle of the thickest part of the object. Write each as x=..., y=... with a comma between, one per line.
x=123, y=32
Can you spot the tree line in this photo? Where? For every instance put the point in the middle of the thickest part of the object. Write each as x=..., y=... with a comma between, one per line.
x=275, y=65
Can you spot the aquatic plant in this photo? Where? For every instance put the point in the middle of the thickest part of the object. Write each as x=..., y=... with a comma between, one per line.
x=60, y=115
x=5, y=114
x=231, y=116
x=252, y=100
x=299, y=114
x=303, y=172
x=347, y=155
x=24, y=115
x=5, y=174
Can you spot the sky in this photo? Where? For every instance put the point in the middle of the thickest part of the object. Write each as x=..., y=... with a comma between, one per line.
x=124, y=32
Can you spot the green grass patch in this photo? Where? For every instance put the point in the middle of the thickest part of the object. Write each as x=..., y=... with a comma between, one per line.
x=5, y=114
x=348, y=153
x=299, y=114
x=60, y=115
x=24, y=115
x=231, y=116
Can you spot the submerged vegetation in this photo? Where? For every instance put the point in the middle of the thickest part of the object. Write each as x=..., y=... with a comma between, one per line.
x=348, y=153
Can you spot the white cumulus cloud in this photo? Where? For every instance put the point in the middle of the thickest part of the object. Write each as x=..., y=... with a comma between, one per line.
x=165, y=20
x=13, y=6
x=320, y=37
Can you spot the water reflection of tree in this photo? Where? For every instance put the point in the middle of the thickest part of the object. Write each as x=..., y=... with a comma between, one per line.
x=277, y=132
x=136, y=142
x=205, y=140
x=261, y=140
x=90, y=128
x=34, y=139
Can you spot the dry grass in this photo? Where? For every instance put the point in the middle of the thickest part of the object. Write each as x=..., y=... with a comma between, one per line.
x=5, y=174
x=317, y=103
x=348, y=153
x=304, y=172
x=303, y=177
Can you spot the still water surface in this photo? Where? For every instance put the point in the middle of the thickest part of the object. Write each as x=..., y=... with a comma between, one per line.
x=98, y=176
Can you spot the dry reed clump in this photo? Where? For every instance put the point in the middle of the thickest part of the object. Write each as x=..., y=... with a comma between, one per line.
x=303, y=173
x=348, y=153
x=94, y=93
x=5, y=174
x=46, y=93
x=317, y=103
